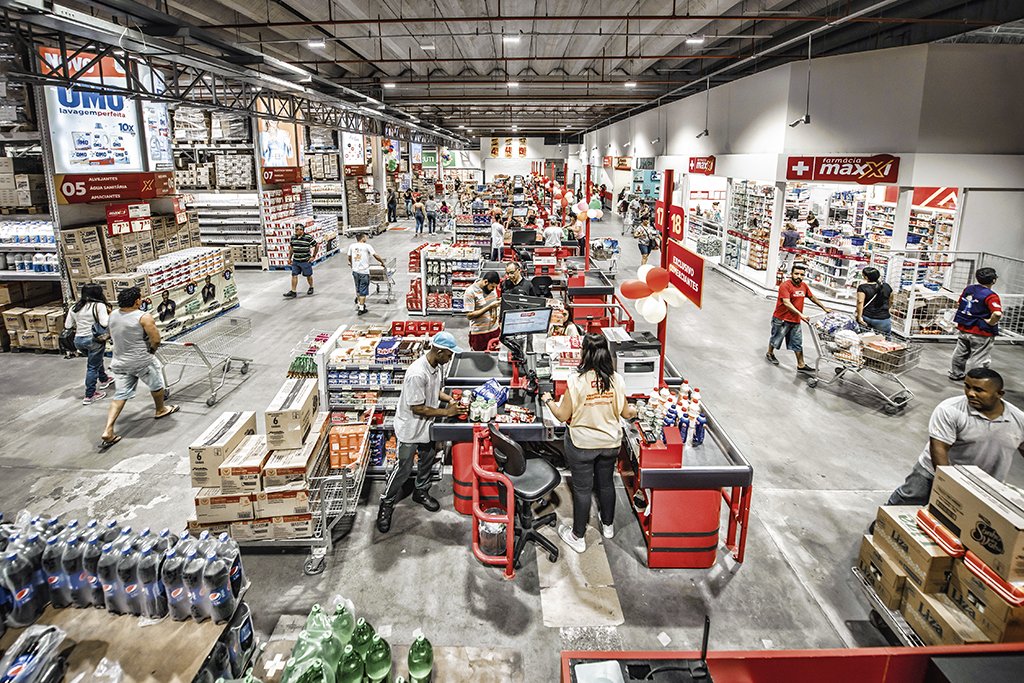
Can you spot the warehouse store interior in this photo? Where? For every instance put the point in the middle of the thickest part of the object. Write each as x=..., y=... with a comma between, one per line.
x=306, y=309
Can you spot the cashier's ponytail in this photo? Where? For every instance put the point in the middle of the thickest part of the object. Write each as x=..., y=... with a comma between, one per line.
x=597, y=356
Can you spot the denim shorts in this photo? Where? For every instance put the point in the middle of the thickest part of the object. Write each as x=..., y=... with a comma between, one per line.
x=645, y=247
x=304, y=268
x=792, y=333
x=362, y=283
x=151, y=376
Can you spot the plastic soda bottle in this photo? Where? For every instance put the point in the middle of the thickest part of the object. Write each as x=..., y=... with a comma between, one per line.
x=361, y=636
x=27, y=601
x=217, y=582
x=178, y=603
x=154, y=597
x=128, y=580
x=56, y=581
x=421, y=659
x=378, y=660
x=71, y=562
x=351, y=668
x=90, y=561
x=343, y=623
x=192, y=576
x=106, y=570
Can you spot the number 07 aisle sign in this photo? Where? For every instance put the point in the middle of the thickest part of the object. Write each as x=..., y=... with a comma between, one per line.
x=686, y=271
x=112, y=187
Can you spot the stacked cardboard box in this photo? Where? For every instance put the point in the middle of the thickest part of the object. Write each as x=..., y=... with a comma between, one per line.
x=361, y=210
x=215, y=510
x=20, y=190
x=289, y=417
x=234, y=171
x=17, y=299
x=34, y=328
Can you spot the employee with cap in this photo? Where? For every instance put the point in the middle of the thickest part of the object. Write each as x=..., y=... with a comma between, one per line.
x=418, y=405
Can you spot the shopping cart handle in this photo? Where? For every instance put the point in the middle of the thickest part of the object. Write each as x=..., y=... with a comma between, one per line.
x=942, y=536
x=1007, y=591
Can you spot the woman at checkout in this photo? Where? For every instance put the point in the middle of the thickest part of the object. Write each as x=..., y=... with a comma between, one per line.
x=594, y=401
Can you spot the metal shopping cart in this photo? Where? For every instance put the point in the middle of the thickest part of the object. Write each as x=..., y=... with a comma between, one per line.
x=384, y=275
x=208, y=347
x=869, y=359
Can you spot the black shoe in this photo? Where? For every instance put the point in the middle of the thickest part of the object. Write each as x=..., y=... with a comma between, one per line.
x=290, y=295
x=309, y=291
x=362, y=310
x=384, y=518
x=426, y=500
x=771, y=359
x=807, y=370
x=956, y=379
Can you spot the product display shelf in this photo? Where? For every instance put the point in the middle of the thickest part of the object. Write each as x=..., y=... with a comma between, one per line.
x=231, y=219
x=930, y=228
x=879, y=219
x=751, y=211
x=446, y=272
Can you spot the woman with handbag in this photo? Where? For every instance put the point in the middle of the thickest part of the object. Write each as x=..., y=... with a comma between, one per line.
x=88, y=320
x=873, y=298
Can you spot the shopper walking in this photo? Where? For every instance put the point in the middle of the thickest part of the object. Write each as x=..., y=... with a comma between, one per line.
x=787, y=246
x=553, y=236
x=419, y=213
x=359, y=255
x=136, y=340
x=89, y=318
x=392, y=206
x=431, y=209
x=445, y=212
x=301, y=252
x=408, y=203
x=592, y=405
x=977, y=319
x=979, y=428
x=497, y=238
x=647, y=239
x=788, y=316
x=418, y=405
x=482, y=305
x=873, y=299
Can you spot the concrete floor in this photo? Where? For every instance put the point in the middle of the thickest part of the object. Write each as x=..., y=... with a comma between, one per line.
x=823, y=459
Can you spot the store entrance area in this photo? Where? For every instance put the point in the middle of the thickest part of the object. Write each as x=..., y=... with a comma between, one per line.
x=824, y=460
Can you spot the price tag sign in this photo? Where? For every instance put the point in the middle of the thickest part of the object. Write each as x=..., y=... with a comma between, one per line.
x=282, y=174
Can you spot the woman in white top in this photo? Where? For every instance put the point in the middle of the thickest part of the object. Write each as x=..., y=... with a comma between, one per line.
x=594, y=401
x=90, y=317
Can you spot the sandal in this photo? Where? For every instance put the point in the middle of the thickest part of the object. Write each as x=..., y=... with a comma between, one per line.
x=171, y=411
x=105, y=444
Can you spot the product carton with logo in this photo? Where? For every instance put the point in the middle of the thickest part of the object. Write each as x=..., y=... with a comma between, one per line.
x=986, y=514
x=983, y=601
x=925, y=563
x=937, y=620
x=55, y=320
x=14, y=319
x=251, y=530
x=195, y=527
x=240, y=471
x=882, y=572
x=81, y=240
x=211, y=449
x=283, y=501
x=291, y=527
x=291, y=465
x=85, y=266
x=28, y=339
x=214, y=506
x=126, y=280
x=289, y=417
x=35, y=319
x=49, y=340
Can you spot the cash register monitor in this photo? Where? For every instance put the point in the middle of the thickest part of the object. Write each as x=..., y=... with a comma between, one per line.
x=520, y=302
x=521, y=237
x=519, y=212
x=520, y=322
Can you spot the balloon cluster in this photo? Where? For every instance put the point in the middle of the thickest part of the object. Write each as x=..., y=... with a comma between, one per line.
x=652, y=292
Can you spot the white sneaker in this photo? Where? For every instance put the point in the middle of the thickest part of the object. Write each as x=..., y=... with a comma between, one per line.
x=104, y=385
x=567, y=536
x=88, y=400
x=608, y=530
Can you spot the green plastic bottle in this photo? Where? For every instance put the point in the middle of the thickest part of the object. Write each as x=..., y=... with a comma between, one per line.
x=400, y=679
x=316, y=671
x=330, y=648
x=378, y=660
x=318, y=621
x=421, y=660
x=306, y=647
x=361, y=636
x=343, y=623
x=351, y=668
x=291, y=671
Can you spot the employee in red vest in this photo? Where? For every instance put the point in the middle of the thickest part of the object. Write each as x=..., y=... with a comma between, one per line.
x=977, y=318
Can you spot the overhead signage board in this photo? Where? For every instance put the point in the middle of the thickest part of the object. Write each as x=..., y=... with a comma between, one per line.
x=112, y=187
x=282, y=175
x=352, y=149
x=686, y=271
x=623, y=163
x=702, y=165
x=863, y=170
x=607, y=162
x=644, y=163
x=430, y=158
x=676, y=222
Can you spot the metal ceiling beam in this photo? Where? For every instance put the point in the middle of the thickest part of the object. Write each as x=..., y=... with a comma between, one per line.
x=498, y=58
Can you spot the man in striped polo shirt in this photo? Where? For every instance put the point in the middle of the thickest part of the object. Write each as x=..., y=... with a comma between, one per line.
x=302, y=253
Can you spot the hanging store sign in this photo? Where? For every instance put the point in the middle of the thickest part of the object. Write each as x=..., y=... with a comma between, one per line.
x=644, y=163
x=676, y=222
x=685, y=271
x=607, y=162
x=352, y=149
x=278, y=146
x=430, y=158
x=282, y=175
x=81, y=189
x=702, y=165
x=623, y=163
x=880, y=168
x=416, y=152
x=659, y=216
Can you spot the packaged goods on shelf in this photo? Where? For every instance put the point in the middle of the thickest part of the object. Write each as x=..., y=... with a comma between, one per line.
x=750, y=219
x=447, y=272
x=196, y=176
x=322, y=166
x=321, y=138
x=365, y=208
x=234, y=171
x=229, y=126
x=190, y=125
x=182, y=267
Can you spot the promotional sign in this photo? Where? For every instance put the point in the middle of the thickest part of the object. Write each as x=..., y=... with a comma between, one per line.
x=927, y=197
x=623, y=163
x=495, y=148
x=391, y=151
x=507, y=153
x=880, y=168
x=282, y=175
x=676, y=223
x=659, y=216
x=277, y=143
x=704, y=165
x=447, y=158
x=416, y=152
x=429, y=158
x=355, y=170
x=180, y=214
x=81, y=189
x=606, y=162
x=185, y=306
x=352, y=146
x=522, y=148
x=644, y=163
x=686, y=271
x=126, y=218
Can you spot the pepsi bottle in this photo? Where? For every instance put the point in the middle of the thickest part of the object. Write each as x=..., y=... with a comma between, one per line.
x=232, y=555
x=178, y=603
x=217, y=582
x=154, y=599
x=56, y=581
x=32, y=549
x=106, y=570
x=164, y=541
x=192, y=575
x=72, y=564
x=111, y=530
x=139, y=541
x=128, y=581
x=90, y=565
x=27, y=601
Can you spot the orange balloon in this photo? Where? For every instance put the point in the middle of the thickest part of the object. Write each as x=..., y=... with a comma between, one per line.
x=657, y=279
x=565, y=202
x=635, y=289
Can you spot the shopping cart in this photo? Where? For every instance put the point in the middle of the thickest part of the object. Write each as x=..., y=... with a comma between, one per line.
x=384, y=275
x=208, y=347
x=605, y=250
x=890, y=622
x=867, y=361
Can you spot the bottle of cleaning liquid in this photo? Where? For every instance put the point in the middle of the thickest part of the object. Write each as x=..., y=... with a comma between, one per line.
x=684, y=391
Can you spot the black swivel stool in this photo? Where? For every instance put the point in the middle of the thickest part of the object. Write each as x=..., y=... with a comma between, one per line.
x=531, y=481
x=542, y=285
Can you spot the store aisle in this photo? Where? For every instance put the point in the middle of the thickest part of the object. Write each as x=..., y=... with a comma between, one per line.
x=824, y=459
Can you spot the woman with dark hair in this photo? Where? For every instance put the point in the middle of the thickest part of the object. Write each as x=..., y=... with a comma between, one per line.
x=594, y=400
x=873, y=302
x=90, y=316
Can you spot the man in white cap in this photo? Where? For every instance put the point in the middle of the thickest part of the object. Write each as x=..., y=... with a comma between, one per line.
x=418, y=405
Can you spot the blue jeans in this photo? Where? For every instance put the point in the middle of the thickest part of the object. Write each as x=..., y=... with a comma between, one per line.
x=431, y=222
x=878, y=325
x=419, y=223
x=94, y=370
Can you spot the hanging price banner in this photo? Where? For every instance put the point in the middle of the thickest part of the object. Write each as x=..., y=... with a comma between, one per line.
x=280, y=175
x=686, y=271
x=81, y=189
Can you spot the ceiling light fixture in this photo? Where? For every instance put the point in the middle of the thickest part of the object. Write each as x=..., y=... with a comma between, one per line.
x=510, y=39
x=389, y=86
x=806, y=118
x=462, y=128
x=695, y=40
x=513, y=84
x=428, y=48
x=630, y=84
x=707, y=109
x=315, y=44
x=655, y=141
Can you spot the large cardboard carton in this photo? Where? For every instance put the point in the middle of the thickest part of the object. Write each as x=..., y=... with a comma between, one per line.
x=240, y=471
x=108, y=282
x=291, y=527
x=10, y=293
x=251, y=530
x=85, y=266
x=986, y=514
x=28, y=339
x=211, y=449
x=81, y=240
x=14, y=319
x=289, y=417
x=924, y=562
x=195, y=527
x=49, y=340
x=55, y=320
x=997, y=619
x=35, y=319
x=882, y=572
x=283, y=501
x=937, y=621
x=292, y=465
x=214, y=506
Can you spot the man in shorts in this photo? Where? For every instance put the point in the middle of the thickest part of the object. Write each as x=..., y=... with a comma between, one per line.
x=135, y=338
x=301, y=252
x=789, y=315
x=359, y=255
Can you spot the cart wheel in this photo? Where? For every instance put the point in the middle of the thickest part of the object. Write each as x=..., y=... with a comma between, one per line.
x=876, y=620
x=212, y=401
x=812, y=383
x=313, y=566
x=552, y=558
x=244, y=369
x=167, y=394
x=227, y=366
x=892, y=410
x=840, y=370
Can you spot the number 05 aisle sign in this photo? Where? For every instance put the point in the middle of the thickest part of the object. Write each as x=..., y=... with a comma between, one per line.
x=686, y=271
x=112, y=187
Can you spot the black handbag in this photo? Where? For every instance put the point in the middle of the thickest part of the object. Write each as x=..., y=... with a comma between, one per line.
x=100, y=334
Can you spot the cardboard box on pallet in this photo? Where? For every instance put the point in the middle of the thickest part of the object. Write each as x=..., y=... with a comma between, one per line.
x=882, y=572
x=937, y=620
x=28, y=339
x=274, y=528
x=49, y=340
x=145, y=242
x=986, y=514
x=289, y=417
x=55, y=320
x=126, y=280
x=35, y=319
x=84, y=240
x=924, y=562
x=108, y=282
x=998, y=619
x=288, y=466
x=213, y=506
x=11, y=293
x=240, y=471
x=213, y=447
x=85, y=266
x=14, y=319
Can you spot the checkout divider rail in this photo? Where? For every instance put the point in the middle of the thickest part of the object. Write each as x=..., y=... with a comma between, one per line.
x=736, y=497
x=482, y=445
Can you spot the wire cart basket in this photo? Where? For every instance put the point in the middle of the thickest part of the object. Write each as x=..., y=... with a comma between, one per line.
x=886, y=620
x=384, y=275
x=868, y=362
x=605, y=250
x=209, y=348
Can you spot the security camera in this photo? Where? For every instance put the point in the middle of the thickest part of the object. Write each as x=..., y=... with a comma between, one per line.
x=703, y=133
x=806, y=118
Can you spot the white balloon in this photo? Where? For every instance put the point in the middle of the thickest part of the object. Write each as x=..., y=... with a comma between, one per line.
x=600, y=213
x=641, y=272
x=672, y=296
x=581, y=207
x=652, y=309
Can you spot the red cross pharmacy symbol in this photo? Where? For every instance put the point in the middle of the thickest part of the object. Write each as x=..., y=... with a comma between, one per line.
x=801, y=167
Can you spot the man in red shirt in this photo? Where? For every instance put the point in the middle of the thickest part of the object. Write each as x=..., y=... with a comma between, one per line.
x=789, y=313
